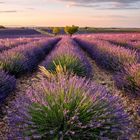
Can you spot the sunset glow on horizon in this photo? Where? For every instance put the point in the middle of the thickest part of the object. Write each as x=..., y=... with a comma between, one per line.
x=106, y=13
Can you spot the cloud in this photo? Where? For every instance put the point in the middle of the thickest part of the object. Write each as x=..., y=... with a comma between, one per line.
x=1, y=2
x=110, y=16
x=105, y=4
x=9, y=11
x=82, y=5
x=97, y=1
x=120, y=8
x=30, y=8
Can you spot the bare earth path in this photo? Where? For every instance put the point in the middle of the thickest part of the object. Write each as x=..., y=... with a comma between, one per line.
x=23, y=83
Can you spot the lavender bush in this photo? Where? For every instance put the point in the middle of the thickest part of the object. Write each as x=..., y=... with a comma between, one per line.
x=72, y=64
x=129, y=79
x=7, y=84
x=68, y=54
x=13, y=64
x=68, y=107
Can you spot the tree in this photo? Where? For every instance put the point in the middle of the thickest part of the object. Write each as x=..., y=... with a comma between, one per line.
x=2, y=27
x=56, y=30
x=71, y=29
x=86, y=28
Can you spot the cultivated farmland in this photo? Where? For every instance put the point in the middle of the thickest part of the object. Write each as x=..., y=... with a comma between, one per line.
x=85, y=86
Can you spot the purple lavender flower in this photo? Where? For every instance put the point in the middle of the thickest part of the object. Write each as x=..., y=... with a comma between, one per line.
x=7, y=84
x=69, y=107
x=25, y=58
x=108, y=56
x=6, y=44
x=129, y=79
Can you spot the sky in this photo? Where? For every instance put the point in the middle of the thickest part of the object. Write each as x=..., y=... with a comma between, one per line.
x=95, y=13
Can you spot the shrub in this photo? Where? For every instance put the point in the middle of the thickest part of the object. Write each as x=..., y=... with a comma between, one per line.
x=7, y=84
x=129, y=79
x=2, y=27
x=70, y=108
x=71, y=30
x=13, y=64
x=72, y=64
x=86, y=28
x=56, y=30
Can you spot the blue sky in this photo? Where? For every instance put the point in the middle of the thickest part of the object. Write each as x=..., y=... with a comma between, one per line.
x=96, y=13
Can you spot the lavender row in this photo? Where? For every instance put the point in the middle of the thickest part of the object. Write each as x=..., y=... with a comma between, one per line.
x=6, y=44
x=130, y=41
x=134, y=37
x=128, y=75
x=119, y=37
x=107, y=55
x=68, y=54
x=68, y=107
x=7, y=84
x=25, y=58
x=133, y=45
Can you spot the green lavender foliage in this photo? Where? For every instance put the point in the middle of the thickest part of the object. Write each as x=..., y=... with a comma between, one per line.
x=71, y=108
x=72, y=64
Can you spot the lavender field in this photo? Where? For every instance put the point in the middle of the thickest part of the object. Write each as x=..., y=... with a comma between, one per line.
x=85, y=86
